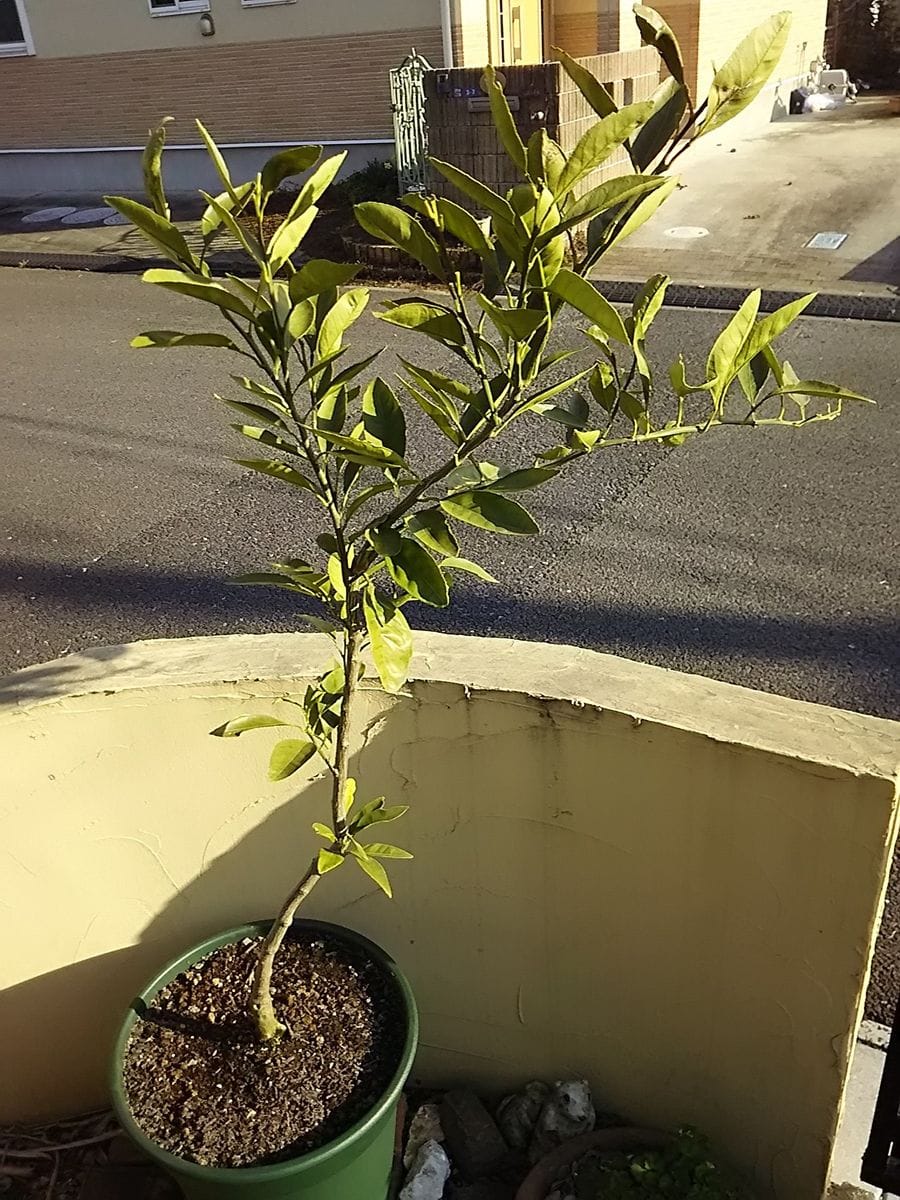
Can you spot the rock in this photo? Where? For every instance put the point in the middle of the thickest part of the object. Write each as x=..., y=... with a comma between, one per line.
x=518, y=1115
x=428, y=1174
x=567, y=1112
x=424, y=1127
x=471, y=1135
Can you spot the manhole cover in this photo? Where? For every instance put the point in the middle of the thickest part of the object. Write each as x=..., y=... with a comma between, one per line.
x=116, y=218
x=826, y=241
x=42, y=215
x=86, y=216
x=686, y=232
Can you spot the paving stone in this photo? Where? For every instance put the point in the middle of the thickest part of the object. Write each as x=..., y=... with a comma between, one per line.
x=475, y=1143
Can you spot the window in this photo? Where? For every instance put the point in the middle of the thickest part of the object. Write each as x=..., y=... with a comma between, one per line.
x=15, y=36
x=262, y=3
x=169, y=8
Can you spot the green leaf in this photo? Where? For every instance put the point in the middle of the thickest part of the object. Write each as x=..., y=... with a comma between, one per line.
x=218, y=160
x=601, y=199
x=300, y=322
x=503, y=119
x=583, y=296
x=151, y=166
x=226, y=202
x=164, y=338
x=648, y=302
x=446, y=385
x=239, y=725
x=456, y=221
x=489, y=511
x=521, y=481
x=319, y=182
x=482, y=195
x=286, y=163
x=826, y=391
x=319, y=275
x=603, y=387
x=270, y=579
x=288, y=236
x=383, y=417
x=289, y=756
x=349, y=308
x=546, y=160
x=471, y=568
x=416, y=573
x=376, y=872
x=377, y=812
x=157, y=229
x=669, y=104
x=600, y=141
x=391, y=642
x=356, y=449
x=431, y=529
x=723, y=362
x=655, y=32
x=393, y=225
x=323, y=831
x=429, y=319
x=277, y=470
x=590, y=87
x=267, y=438
x=743, y=76
x=238, y=232
x=516, y=323
x=256, y=412
x=384, y=850
x=637, y=216
x=770, y=327
x=199, y=288
x=328, y=861
x=575, y=414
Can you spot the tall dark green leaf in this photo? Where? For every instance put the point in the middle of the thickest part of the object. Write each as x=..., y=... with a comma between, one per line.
x=157, y=229
x=582, y=294
x=151, y=165
x=486, y=510
x=600, y=141
x=414, y=571
x=288, y=757
x=286, y=163
x=657, y=33
x=590, y=87
x=383, y=417
x=394, y=226
x=483, y=196
x=319, y=275
x=669, y=104
x=503, y=120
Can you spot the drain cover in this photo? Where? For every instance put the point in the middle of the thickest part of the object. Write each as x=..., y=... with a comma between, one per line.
x=86, y=216
x=41, y=215
x=116, y=218
x=826, y=241
x=685, y=232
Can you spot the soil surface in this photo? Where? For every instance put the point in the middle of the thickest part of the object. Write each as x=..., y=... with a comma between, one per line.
x=204, y=1088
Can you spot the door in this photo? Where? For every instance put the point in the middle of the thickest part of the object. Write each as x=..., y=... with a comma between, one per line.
x=517, y=31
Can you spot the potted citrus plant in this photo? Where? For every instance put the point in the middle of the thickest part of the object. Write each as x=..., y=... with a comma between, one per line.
x=268, y=1061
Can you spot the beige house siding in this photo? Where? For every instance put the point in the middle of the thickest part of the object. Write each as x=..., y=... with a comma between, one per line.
x=331, y=88
x=70, y=28
x=471, y=46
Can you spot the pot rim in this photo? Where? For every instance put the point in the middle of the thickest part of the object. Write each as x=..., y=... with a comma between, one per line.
x=309, y=1159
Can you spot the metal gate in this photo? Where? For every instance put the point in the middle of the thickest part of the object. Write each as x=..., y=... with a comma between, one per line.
x=881, y=1161
x=410, y=125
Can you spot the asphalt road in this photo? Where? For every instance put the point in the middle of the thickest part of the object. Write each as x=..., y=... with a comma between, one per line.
x=766, y=558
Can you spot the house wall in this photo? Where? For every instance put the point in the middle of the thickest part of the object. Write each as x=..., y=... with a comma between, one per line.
x=471, y=44
x=709, y=30
x=667, y=884
x=270, y=75
x=586, y=27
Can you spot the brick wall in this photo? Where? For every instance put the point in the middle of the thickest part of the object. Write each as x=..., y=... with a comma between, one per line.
x=546, y=96
x=332, y=88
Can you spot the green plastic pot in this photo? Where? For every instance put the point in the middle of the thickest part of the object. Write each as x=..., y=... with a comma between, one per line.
x=355, y=1166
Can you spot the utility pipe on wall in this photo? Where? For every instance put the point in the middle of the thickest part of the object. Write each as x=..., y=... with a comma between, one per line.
x=447, y=32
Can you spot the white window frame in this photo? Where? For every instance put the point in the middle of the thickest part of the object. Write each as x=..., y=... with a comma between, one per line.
x=26, y=46
x=179, y=8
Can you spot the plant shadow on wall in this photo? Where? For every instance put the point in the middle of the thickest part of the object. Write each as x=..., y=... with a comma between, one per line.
x=392, y=518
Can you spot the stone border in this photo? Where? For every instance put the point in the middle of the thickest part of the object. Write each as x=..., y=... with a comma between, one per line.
x=388, y=259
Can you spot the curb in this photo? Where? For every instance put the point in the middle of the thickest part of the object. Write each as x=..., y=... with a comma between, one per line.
x=679, y=295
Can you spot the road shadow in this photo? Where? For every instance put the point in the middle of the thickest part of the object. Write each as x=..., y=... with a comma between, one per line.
x=881, y=267
x=59, y=677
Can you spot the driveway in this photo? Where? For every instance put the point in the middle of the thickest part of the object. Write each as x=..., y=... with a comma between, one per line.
x=761, y=199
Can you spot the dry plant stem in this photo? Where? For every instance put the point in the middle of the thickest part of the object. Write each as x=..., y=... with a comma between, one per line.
x=261, y=1005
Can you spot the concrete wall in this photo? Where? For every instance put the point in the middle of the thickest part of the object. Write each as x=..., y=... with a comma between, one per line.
x=667, y=883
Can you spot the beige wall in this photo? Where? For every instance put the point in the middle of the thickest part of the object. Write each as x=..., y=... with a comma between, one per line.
x=667, y=883
x=63, y=28
x=470, y=33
